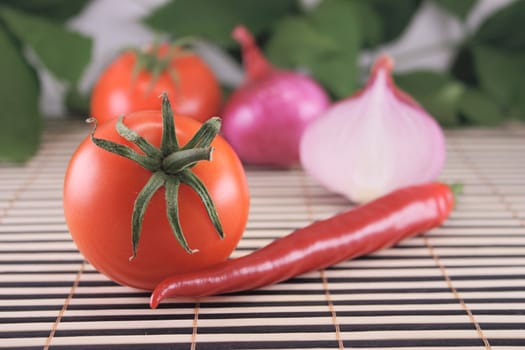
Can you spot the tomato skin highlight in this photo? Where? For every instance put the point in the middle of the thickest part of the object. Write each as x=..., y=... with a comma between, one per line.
x=99, y=193
x=197, y=93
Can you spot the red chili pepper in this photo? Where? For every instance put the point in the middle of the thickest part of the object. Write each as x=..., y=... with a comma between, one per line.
x=359, y=231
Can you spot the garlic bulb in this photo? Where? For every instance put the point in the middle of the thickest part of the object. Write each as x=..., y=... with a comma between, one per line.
x=373, y=142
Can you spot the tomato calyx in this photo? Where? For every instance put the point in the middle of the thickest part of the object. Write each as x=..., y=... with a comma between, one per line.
x=155, y=63
x=170, y=166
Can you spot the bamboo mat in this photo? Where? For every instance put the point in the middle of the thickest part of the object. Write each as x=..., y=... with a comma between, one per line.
x=460, y=286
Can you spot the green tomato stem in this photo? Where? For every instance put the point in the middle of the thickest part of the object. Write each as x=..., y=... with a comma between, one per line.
x=150, y=60
x=170, y=166
x=180, y=160
x=205, y=135
x=155, y=182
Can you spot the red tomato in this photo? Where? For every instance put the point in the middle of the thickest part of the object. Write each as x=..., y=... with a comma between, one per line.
x=101, y=187
x=196, y=93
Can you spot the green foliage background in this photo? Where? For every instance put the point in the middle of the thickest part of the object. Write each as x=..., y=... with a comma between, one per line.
x=36, y=26
x=484, y=85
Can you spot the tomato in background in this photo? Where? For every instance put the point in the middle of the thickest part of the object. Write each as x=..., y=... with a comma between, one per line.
x=100, y=189
x=129, y=84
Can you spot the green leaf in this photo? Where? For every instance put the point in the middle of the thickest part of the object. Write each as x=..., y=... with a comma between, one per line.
x=77, y=103
x=480, y=109
x=437, y=92
x=214, y=20
x=20, y=119
x=501, y=32
x=371, y=26
x=459, y=8
x=339, y=19
x=500, y=73
x=59, y=10
x=296, y=43
x=63, y=52
x=462, y=66
x=519, y=109
x=325, y=43
x=338, y=74
x=504, y=29
x=395, y=15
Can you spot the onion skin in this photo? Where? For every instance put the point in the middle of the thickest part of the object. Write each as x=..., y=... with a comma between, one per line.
x=265, y=117
x=374, y=142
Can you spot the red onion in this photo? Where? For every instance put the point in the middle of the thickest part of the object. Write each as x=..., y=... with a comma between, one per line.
x=265, y=117
x=374, y=142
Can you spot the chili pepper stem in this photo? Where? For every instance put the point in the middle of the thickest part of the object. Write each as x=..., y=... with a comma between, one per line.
x=457, y=189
